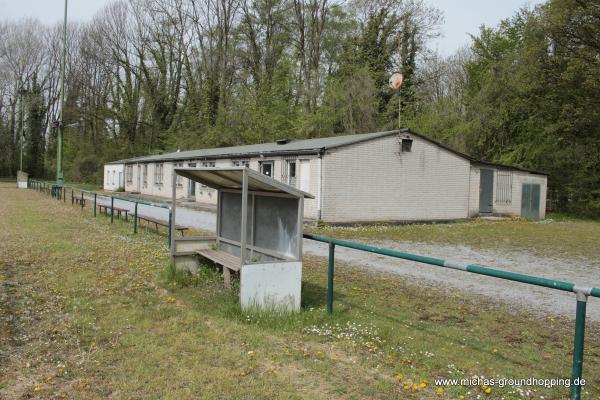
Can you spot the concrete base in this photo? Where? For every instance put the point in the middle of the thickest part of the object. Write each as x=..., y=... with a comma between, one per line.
x=22, y=179
x=272, y=286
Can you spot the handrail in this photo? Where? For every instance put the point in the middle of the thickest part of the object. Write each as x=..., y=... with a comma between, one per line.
x=581, y=292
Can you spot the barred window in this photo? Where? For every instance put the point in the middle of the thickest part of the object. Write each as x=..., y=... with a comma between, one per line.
x=158, y=174
x=179, y=179
x=129, y=173
x=503, y=187
x=145, y=175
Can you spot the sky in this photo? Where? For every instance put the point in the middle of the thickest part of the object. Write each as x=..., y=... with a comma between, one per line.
x=461, y=16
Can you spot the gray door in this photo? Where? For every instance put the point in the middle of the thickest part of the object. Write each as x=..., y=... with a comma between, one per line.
x=486, y=191
x=530, y=201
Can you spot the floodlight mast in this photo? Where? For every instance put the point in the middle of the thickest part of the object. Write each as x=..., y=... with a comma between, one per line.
x=59, y=171
x=395, y=83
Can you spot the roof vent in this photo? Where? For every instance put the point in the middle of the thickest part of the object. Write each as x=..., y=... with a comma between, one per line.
x=282, y=141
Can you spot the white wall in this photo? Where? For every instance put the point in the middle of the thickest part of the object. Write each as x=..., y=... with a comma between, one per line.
x=374, y=181
x=208, y=195
x=114, y=176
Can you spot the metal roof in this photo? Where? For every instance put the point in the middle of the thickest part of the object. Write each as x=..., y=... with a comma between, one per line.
x=232, y=178
x=302, y=146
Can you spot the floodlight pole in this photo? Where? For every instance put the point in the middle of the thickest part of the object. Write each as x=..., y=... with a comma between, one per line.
x=21, y=92
x=399, y=107
x=59, y=170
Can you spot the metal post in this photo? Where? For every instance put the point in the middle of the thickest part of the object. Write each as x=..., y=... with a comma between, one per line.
x=72, y=197
x=64, y=195
x=135, y=219
x=576, y=381
x=95, y=198
x=112, y=209
x=244, y=221
x=81, y=201
x=169, y=237
x=59, y=170
x=330, y=268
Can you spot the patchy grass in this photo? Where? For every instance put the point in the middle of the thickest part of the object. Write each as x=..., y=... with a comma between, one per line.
x=89, y=310
x=557, y=235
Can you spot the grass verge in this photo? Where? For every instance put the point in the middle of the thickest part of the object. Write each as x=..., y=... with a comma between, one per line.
x=89, y=310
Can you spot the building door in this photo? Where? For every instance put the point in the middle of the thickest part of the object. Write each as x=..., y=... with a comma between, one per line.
x=304, y=175
x=530, y=201
x=139, y=178
x=486, y=190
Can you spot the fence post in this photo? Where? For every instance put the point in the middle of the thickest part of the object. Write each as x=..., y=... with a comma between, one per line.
x=112, y=208
x=72, y=197
x=330, y=268
x=82, y=199
x=135, y=219
x=170, y=222
x=95, y=204
x=578, y=346
x=64, y=189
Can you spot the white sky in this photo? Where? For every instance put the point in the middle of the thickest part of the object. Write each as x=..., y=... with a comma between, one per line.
x=461, y=16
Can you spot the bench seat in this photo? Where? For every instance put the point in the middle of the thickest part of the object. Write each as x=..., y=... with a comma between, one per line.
x=229, y=262
x=157, y=222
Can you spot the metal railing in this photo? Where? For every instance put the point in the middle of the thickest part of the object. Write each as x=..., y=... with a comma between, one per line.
x=581, y=292
x=78, y=195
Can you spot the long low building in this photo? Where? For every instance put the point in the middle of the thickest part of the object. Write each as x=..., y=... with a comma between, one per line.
x=390, y=176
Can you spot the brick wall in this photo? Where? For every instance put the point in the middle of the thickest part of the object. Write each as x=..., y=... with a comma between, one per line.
x=375, y=181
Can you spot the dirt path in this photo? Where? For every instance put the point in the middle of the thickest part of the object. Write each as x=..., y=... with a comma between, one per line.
x=539, y=300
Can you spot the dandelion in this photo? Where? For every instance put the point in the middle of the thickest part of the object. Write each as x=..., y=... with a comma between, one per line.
x=251, y=354
x=487, y=391
x=398, y=377
x=439, y=391
x=37, y=387
x=494, y=351
x=423, y=384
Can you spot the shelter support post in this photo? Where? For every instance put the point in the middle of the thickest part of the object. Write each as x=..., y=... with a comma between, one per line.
x=330, y=272
x=172, y=213
x=244, y=217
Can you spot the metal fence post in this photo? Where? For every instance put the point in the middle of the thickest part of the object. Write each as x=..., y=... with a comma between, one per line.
x=330, y=271
x=72, y=197
x=95, y=195
x=64, y=190
x=169, y=235
x=135, y=218
x=82, y=199
x=578, y=346
x=112, y=208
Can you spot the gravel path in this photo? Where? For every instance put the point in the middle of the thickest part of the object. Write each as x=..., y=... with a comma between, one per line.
x=537, y=299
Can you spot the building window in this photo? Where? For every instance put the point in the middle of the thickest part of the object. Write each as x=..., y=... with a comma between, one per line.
x=158, y=174
x=208, y=164
x=129, y=173
x=503, y=187
x=179, y=179
x=266, y=167
x=145, y=175
x=241, y=163
x=406, y=145
x=289, y=176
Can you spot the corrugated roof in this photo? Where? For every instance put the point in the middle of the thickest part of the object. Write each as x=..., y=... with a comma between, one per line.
x=303, y=146
x=232, y=178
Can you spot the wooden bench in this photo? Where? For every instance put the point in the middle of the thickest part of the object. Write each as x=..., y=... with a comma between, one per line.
x=118, y=210
x=228, y=261
x=157, y=222
x=79, y=200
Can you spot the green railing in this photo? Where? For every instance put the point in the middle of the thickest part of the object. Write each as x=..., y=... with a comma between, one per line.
x=581, y=292
x=78, y=195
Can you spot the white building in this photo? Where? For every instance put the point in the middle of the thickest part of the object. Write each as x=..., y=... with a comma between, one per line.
x=113, y=176
x=373, y=177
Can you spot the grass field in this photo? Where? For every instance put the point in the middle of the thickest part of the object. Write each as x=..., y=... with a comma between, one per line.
x=89, y=310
